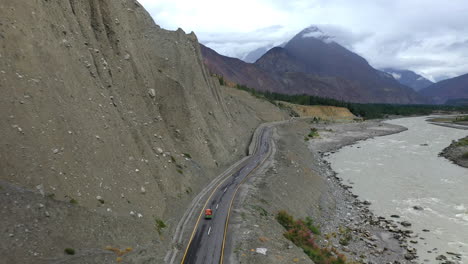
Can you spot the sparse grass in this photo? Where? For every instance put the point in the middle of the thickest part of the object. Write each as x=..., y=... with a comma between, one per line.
x=51, y=195
x=462, y=142
x=346, y=236
x=173, y=159
x=160, y=225
x=300, y=233
x=260, y=209
x=310, y=224
x=189, y=190
x=180, y=171
x=73, y=201
x=101, y=201
x=243, y=215
x=238, y=248
x=465, y=155
x=461, y=118
x=187, y=155
x=69, y=251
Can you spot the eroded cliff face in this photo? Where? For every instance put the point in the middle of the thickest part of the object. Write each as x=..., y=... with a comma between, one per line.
x=102, y=108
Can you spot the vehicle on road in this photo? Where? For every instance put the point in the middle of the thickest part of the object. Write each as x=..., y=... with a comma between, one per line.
x=208, y=213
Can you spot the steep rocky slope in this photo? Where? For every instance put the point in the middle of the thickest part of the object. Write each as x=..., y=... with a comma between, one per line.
x=109, y=127
x=455, y=88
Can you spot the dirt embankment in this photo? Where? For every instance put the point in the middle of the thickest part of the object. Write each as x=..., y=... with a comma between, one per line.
x=110, y=125
x=323, y=112
x=297, y=179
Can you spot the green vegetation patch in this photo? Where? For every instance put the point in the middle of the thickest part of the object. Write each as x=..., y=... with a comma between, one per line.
x=313, y=133
x=465, y=155
x=159, y=225
x=462, y=142
x=303, y=234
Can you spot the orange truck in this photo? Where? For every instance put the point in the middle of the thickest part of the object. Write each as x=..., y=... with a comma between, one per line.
x=208, y=213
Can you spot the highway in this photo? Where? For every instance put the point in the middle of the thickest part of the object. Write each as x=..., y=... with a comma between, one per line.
x=208, y=238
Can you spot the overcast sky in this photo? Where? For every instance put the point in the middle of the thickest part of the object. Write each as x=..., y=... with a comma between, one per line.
x=429, y=37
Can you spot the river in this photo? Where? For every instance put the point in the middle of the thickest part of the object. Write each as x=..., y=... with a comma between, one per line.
x=400, y=171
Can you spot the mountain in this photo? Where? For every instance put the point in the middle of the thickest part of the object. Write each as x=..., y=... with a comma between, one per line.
x=238, y=71
x=312, y=63
x=454, y=88
x=409, y=78
x=255, y=54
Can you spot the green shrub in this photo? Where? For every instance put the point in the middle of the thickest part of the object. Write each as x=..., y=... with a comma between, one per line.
x=301, y=233
x=73, y=201
x=69, y=251
x=285, y=219
x=313, y=133
x=187, y=155
x=160, y=225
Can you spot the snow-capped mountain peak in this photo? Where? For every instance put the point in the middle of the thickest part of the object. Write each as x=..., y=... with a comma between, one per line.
x=315, y=32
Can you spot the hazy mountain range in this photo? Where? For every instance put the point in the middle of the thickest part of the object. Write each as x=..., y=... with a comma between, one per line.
x=450, y=89
x=312, y=63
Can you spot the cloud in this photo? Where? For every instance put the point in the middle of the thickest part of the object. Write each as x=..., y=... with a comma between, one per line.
x=429, y=37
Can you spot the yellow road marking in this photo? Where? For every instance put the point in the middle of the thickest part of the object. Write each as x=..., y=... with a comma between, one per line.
x=199, y=216
x=206, y=203
x=230, y=207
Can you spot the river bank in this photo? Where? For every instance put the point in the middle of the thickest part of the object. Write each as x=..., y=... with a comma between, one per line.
x=457, y=152
x=298, y=179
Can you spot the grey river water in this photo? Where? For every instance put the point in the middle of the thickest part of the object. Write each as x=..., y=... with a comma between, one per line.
x=400, y=171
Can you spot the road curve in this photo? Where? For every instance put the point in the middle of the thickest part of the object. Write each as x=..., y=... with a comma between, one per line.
x=206, y=244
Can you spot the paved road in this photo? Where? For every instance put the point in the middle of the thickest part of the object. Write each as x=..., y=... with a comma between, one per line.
x=208, y=238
